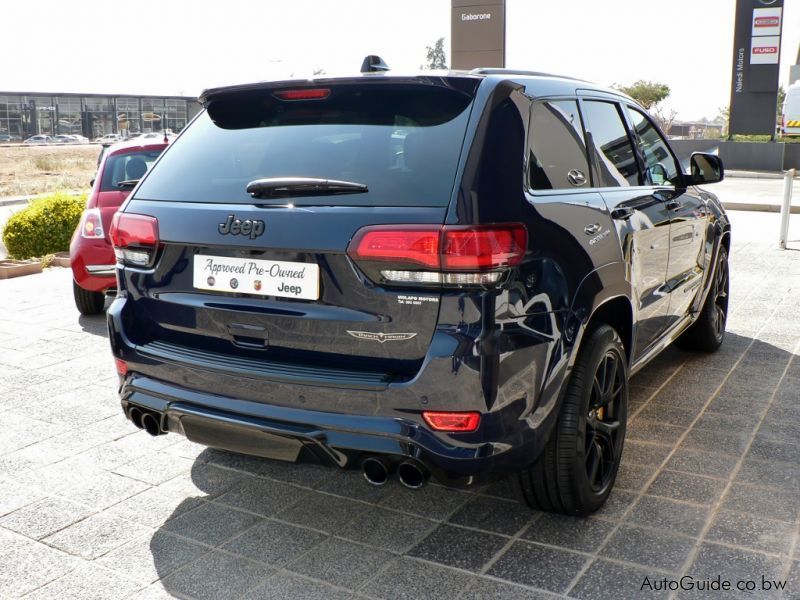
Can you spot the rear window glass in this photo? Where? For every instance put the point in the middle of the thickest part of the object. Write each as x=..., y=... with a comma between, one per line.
x=402, y=141
x=130, y=166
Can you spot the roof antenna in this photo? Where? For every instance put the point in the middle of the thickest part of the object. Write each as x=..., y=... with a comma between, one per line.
x=373, y=64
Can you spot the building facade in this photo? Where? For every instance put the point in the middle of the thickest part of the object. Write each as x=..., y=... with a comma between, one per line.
x=91, y=115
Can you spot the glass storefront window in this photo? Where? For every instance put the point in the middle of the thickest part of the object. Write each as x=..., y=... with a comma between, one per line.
x=128, y=116
x=68, y=112
x=11, y=117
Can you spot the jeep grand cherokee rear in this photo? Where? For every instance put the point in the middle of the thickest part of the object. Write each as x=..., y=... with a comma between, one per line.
x=352, y=271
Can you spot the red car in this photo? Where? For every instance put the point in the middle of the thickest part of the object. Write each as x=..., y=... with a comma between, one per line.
x=90, y=251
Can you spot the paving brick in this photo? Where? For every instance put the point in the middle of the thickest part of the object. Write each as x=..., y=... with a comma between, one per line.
x=690, y=488
x=387, y=529
x=771, y=503
x=605, y=580
x=211, y=524
x=340, y=563
x=216, y=575
x=322, y=511
x=432, y=501
x=656, y=549
x=669, y=515
x=407, y=579
x=44, y=517
x=284, y=585
x=274, y=543
x=751, y=531
x=95, y=535
x=152, y=556
x=538, y=566
x=495, y=516
x=90, y=582
x=585, y=535
x=461, y=548
x=262, y=496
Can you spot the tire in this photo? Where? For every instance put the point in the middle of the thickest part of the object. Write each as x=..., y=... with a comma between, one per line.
x=577, y=469
x=88, y=302
x=707, y=333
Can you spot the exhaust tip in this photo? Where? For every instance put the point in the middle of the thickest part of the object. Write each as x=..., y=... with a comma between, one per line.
x=375, y=470
x=135, y=415
x=412, y=475
x=151, y=424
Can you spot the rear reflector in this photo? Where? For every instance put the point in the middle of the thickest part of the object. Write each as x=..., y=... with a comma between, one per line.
x=452, y=421
x=303, y=94
x=122, y=366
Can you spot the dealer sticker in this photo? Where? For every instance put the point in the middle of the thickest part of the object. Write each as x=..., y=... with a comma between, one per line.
x=255, y=276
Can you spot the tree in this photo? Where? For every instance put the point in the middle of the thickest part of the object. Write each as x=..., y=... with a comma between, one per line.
x=646, y=93
x=436, y=56
x=781, y=100
x=318, y=72
x=664, y=117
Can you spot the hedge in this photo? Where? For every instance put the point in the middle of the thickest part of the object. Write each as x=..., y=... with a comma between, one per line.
x=43, y=227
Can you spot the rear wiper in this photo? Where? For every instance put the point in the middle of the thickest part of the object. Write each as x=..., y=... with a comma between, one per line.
x=281, y=187
x=127, y=183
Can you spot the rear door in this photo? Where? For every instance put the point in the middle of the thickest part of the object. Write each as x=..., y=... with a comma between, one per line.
x=267, y=276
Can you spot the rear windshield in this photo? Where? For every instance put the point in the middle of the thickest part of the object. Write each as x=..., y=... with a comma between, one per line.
x=130, y=166
x=402, y=141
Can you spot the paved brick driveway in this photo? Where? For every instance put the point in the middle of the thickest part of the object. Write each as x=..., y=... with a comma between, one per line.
x=91, y=509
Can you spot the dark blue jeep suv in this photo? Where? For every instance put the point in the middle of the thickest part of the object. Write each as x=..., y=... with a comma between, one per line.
x=449, y=273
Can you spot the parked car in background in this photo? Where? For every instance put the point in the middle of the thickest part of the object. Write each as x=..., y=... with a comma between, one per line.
x=121, y=166
x=5, y=137
x=63, y=139
x=108, y=138
x=79, y=139
x=39, y=139
x=791, y=111
x=450, y=274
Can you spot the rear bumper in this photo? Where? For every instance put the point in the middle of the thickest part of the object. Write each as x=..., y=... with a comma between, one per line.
x=333, y=438
x=337, y=422
x=93, y=264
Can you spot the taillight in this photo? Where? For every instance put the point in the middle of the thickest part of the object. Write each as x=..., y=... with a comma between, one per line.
x=452, y=421
x=436, y=254
x=303, y=94
x=92, y=224
x=135, y=238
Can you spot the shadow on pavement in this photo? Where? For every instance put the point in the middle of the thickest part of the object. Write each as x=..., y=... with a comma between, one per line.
x=253, y=517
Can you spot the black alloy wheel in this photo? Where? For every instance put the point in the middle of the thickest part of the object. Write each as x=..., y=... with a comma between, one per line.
x=576, y=471
x=602, y=422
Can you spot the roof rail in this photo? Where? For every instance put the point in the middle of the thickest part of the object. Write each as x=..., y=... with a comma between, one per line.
x=499, y=71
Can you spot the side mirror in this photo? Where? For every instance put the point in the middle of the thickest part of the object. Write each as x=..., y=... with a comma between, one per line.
x=705, y=168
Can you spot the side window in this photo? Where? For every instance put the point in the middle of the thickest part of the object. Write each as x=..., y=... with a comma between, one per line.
x=612, y=145
x=557, y=147
x=661, y=167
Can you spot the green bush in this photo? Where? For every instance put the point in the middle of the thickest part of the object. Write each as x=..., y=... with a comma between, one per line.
x=45, y=226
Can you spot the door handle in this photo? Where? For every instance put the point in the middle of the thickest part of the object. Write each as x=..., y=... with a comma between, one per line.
x=622, y=213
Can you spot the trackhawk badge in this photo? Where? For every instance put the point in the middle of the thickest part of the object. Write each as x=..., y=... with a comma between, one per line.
x=381, y=337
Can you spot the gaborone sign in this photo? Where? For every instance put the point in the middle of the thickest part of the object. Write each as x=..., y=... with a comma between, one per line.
x=756, y=60
x=478, y=34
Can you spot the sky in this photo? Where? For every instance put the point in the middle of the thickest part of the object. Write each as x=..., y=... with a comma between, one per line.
x=178, y=47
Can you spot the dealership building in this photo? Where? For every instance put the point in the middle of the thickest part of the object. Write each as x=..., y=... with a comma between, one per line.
x=91, y=115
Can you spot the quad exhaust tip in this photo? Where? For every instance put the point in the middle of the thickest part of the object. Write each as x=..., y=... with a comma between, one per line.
x=144, y=419
x=151, y=424
x=412, y=475
x=135, y=416
x=376, y=470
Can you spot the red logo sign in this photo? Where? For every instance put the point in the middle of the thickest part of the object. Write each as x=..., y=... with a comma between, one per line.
x=767, y=21
x=765, y=50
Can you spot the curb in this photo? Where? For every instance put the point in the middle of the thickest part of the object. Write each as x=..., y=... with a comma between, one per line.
x=13, y=201
x=754, y=207
x=757, y=175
